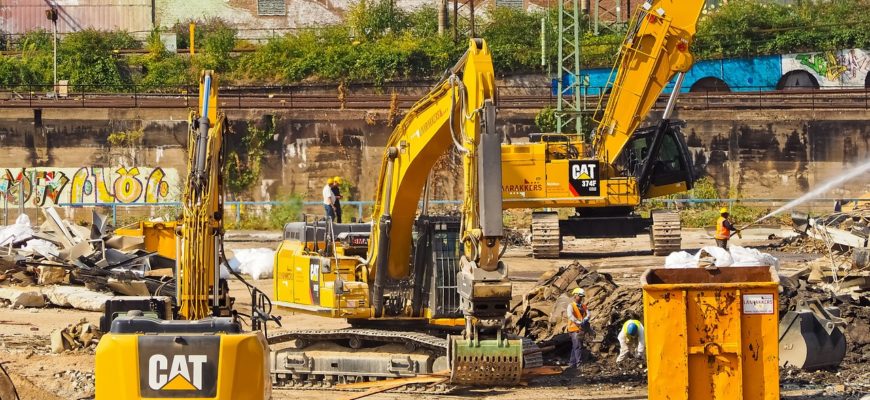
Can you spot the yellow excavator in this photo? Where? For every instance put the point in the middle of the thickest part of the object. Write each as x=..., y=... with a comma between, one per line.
x=605, y=181
x=423, y=293
x=191, y=346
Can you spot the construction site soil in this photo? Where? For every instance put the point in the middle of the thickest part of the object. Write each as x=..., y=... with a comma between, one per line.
x=609, y=270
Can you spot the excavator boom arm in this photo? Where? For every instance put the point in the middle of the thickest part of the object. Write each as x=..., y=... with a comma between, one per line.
x=655, y=49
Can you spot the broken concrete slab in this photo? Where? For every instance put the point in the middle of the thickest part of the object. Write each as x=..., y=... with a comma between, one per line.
x=76, y=297
x=22, y=296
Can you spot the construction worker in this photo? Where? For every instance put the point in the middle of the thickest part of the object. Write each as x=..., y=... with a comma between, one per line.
x=724, y=229
x=578, y=325
x=630, y=338
x=336, y=191
x=329, y=199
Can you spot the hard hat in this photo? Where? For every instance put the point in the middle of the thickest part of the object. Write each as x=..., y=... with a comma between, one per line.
x=578, y=292
x=337, y=179
x=631, y=329
x=723, y=210
x=330, y=181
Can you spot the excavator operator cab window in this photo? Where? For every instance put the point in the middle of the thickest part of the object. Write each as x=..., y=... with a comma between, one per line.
x=671, y=165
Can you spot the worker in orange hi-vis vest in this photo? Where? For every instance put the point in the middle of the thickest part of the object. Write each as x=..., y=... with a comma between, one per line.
x=578, y=325
x=724, y=229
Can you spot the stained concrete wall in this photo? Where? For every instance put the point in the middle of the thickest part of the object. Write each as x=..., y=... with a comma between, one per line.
x=756, y=154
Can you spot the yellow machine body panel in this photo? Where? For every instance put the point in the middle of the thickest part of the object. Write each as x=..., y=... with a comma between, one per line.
x=533, y=178
x=191, y=366
x=306, y=282
x=158, y=236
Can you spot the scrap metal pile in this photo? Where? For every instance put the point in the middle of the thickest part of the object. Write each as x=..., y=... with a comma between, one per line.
x=59, y=252
x=842, y=239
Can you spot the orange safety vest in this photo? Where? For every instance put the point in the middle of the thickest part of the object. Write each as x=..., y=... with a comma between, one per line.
x=579, y=313
x=722, y=233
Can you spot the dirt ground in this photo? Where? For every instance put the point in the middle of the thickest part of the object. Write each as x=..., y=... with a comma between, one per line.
x=38, y=374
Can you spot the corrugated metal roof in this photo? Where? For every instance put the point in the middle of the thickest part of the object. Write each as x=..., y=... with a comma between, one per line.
x=20, y=16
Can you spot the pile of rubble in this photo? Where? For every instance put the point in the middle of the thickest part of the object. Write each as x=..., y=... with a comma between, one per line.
x=32, y=261
x=852, y=376
x=82, y=335
x=540, y=314
x=842, y=240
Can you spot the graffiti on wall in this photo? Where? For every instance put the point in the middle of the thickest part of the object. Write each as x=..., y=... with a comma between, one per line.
x=124, y=185
x=831, y=68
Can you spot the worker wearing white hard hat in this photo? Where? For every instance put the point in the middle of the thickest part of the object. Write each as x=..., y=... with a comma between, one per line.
x=578, y=324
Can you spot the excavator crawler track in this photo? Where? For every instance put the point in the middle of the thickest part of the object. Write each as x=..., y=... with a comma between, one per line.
x=313, y=364
x=546, y=238
x=425, y=354
x=665, y=232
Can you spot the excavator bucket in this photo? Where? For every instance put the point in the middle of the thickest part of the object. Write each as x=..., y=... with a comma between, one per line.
x=489, y=362
x=811, y=337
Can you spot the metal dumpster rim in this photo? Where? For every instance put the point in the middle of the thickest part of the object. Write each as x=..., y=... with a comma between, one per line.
x=774, y=281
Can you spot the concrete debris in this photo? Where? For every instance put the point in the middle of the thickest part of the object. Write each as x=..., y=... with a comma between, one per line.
x=51, y=275
x=540, y=314
x=76, y=297
x=73, y=337
x=61, y=252
x=841, y=238
x=22, y=297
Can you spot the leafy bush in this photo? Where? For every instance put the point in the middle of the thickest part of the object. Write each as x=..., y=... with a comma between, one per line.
x=545, y=120
x=160, y=68
x=514, y=36
x=87, y=59
x=379, y=42
x=242, y=167
x=289, y=209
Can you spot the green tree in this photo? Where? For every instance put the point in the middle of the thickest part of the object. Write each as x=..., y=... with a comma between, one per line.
x=87, y=58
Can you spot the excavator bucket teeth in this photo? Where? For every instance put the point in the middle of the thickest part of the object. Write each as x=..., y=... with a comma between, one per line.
x=809, y=341
x=485, y=362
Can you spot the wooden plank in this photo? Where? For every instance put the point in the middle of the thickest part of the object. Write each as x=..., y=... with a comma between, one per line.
x=393, y=384
x=404, y=381
x=542, y=371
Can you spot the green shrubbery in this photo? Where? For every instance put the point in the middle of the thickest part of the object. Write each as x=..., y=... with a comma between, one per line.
x=379, y=43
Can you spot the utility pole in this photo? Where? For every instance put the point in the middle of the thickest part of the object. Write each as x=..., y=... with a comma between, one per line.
x=51, y=14
x=442, y=17
x=569, y=110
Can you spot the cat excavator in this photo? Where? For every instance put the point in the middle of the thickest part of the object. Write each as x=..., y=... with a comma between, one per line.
x=605, y=180
x=192, y=346
x=424, y=294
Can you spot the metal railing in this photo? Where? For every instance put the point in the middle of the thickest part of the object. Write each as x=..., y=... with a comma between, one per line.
x=233, y=209
x=360, y=97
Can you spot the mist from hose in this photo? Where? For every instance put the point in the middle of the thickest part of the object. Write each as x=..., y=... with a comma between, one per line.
x=849, y=175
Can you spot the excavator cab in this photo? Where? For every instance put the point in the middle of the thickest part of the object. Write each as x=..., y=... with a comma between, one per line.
x=669, y=171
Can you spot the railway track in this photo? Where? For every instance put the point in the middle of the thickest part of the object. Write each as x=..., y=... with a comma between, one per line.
x=534, y=99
